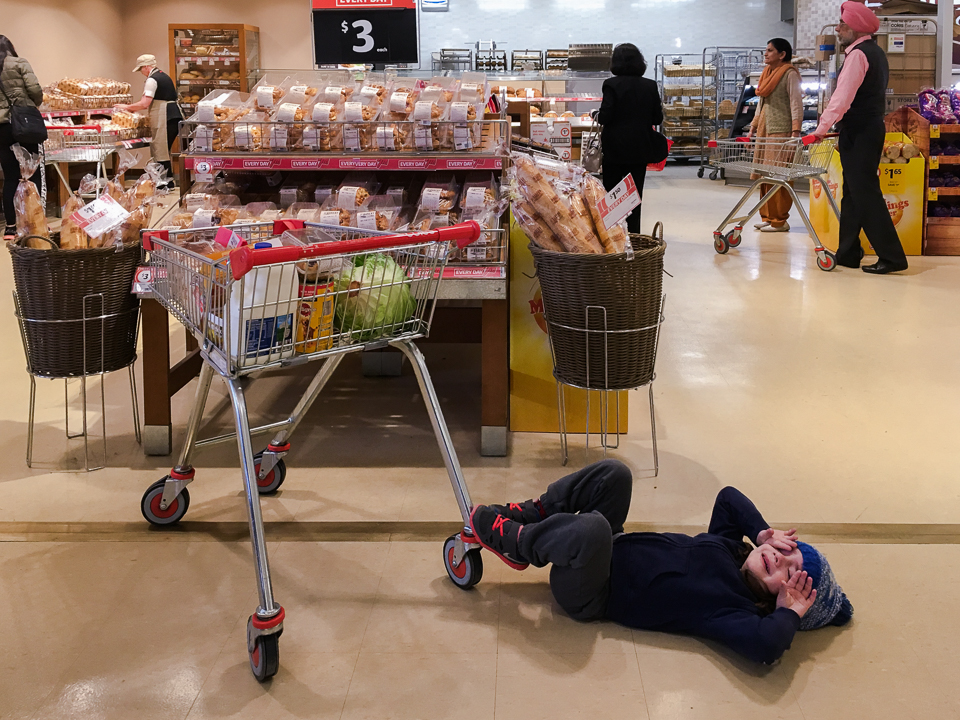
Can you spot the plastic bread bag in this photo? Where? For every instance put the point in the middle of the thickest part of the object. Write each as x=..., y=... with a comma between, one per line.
x=401, y=100
x=72, y=237
x=146, y=186
x=359, y=126
x=285, y=129
x=567, y=221
x=322, y=192
x=439, y=195
x=332, y=214
x=325, y=132
x=248, y=135
x=31, y=218
x=473, y=88
x=314, y=271
x=266, y=96
x=614, y=240
x=536, y=229
x=379, y=214
x=428, y=116
x=463, y=130
x=375, y=85
x=125, y=160
x=446, y=88
x=228, y=211
x=308, y=211
x=486, y=248
x=355, y=191
x=338, y=94
x=393, y=137
x=479, y=192
x=251, y=212
x=299, y=93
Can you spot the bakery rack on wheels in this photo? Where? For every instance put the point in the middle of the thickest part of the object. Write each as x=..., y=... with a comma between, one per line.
x=777, y=162
x=688, y=87
x=733, y=67
x=255, y=289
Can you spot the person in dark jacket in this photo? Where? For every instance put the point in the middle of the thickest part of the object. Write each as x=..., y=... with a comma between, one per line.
x=752, y=598
x=22, y=87
x=631, y=107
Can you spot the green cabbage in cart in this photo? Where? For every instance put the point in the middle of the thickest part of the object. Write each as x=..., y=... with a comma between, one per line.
x=373, y=298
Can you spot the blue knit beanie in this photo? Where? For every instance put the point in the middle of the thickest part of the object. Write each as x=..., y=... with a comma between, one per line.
x=831, y=606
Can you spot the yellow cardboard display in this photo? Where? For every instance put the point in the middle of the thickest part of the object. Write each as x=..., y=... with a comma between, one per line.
x=533, y=390
x=902, y=187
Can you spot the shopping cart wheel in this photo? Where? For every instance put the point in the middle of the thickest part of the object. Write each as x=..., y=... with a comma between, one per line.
x=700, y=173
x=826, y=262
x=265, y=658
x=468, y=572
x=733, y=237
x=720, y=244
x=274, y=479
x=715, y=174
x=154, y=514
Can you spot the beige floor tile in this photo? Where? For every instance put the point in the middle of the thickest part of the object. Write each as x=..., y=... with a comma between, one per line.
x=684, y=677
x=439, y=686
x=535, y=682
x=308, y=685
x=418, y=608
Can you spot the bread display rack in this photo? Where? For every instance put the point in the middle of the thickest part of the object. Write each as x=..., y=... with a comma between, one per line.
x=688, y=86
x=204, y=57
x=526, y=61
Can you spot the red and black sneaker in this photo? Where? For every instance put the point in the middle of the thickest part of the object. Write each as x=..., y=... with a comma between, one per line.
x=529, y=511
x=499, y=535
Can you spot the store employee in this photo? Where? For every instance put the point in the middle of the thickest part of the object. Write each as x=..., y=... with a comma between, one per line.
x=160, y=96
x=857, y=107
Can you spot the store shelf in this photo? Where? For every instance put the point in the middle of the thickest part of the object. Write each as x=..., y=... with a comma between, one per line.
x=333, y=161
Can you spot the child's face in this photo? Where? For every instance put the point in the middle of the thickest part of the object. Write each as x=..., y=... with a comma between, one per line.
x=773, y=567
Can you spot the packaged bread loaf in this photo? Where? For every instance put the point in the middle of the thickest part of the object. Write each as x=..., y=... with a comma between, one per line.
x=614, y=240
x=72, y=237
x=892, y=150
x=574, y=230
x=114, y=188
x=535, y=228
x=31, y=218
x=146, y=186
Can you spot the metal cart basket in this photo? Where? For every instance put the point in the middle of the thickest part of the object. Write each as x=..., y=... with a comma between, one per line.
x=777, y=162
x=262, y=306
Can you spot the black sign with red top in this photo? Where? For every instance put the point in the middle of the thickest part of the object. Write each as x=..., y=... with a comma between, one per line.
x=365, y=31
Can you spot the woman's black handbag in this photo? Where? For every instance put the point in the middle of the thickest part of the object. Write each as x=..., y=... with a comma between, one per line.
x=26, y=122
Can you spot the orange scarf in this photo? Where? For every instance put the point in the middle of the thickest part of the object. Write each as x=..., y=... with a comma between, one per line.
x=770, y=78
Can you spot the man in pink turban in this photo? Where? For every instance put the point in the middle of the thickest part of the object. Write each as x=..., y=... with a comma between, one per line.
x=857, y=108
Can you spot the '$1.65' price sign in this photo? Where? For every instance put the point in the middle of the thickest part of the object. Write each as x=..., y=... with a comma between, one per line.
x=365, y=31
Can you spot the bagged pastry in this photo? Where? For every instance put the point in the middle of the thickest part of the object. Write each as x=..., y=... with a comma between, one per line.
x=146, y=186
x=614, y=240
x=72, y=236
x=114, y=188
x=31, y=218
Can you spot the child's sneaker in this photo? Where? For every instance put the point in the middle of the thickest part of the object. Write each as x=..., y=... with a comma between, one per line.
x=529, y=511
x=498, y=534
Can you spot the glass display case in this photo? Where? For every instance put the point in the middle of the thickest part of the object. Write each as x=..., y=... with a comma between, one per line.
x=204, y=57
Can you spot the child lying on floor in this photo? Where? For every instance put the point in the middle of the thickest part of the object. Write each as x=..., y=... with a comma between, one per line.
x=714, y=585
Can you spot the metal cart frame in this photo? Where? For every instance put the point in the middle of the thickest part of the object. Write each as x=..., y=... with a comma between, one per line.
x=794, y=159
x=202, y=293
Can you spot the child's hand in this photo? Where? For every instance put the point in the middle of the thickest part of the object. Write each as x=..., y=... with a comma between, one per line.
x=797, y=593
x=783, y=540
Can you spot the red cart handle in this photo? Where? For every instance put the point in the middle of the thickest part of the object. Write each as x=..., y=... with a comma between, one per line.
x=810, y=139
x=245, y=258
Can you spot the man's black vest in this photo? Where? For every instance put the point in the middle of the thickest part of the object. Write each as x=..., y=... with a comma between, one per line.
x=870, y=101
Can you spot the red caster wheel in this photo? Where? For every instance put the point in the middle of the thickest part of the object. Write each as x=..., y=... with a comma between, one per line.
x=273, y=480
x=733, y=237
x=469, y=571
x=826, y=263
x=154, y=514
x=720, y=244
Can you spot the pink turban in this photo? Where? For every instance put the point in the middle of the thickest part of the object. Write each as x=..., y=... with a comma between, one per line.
x=858, y=17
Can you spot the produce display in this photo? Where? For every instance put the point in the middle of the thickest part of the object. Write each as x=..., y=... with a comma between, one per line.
x=940, y=106
x=556, y=205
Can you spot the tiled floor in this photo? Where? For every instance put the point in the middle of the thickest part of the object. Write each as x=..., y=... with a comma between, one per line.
x=830, y=399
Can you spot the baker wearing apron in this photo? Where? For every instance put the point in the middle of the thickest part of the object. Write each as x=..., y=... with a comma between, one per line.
x=160, y=97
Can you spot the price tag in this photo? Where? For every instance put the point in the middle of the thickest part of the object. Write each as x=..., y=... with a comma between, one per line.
x=202, y=171
x=934, y=132
x=203, y=139
x=333, y=94
x=227, y=238
x=321, y=112
x=398, y=102
x=205, y=112
x=423, y=137
x=203, y=218
x=351, y=138
x=264, y=96
x=458, y=111
x=933, y=194
x=347, y=197
x=99, y=216
x=618, y=203
x=934, y=162
x=430, y=200
x=287, y=112
x=353, y=111
x=461, y=138
x=385, y=139
x=367, y=220
x=330, y=217
x=278, y=137
x=365, y=31
x=423, y=111
x=474, y=197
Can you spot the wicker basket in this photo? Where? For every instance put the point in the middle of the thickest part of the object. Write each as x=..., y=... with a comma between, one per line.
x=50, y=289
x=630, y=292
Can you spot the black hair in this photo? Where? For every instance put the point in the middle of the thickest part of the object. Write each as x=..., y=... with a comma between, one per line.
x=6, y=48
x=627, y=60
x=782, y=45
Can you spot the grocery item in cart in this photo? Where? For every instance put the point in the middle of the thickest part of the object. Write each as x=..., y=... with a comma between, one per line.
x=262, y=311
x=373, y=298
x=31, y=218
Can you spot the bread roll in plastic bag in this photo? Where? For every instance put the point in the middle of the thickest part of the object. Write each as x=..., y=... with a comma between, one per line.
x=909, y=151
x=72, y=236
x=614, y=239
x=31, y=217
x=146, y=186
x=892, y=150
x=114, y=188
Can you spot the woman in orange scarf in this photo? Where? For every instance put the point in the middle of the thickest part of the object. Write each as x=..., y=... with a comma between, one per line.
x=779, y=115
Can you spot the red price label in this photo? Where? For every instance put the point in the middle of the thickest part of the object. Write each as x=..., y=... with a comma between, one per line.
x=618, y=203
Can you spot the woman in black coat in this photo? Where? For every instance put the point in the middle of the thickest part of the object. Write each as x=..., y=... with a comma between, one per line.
x=631, y=107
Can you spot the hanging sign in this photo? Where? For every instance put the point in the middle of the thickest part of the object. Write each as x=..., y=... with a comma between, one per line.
x=365, y=32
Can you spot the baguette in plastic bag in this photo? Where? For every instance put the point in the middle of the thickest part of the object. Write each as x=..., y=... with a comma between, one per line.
x=614, y=239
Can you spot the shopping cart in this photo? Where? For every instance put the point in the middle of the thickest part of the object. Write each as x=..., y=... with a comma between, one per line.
x=80, y=144
x=778, y=162
x=260, y=308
